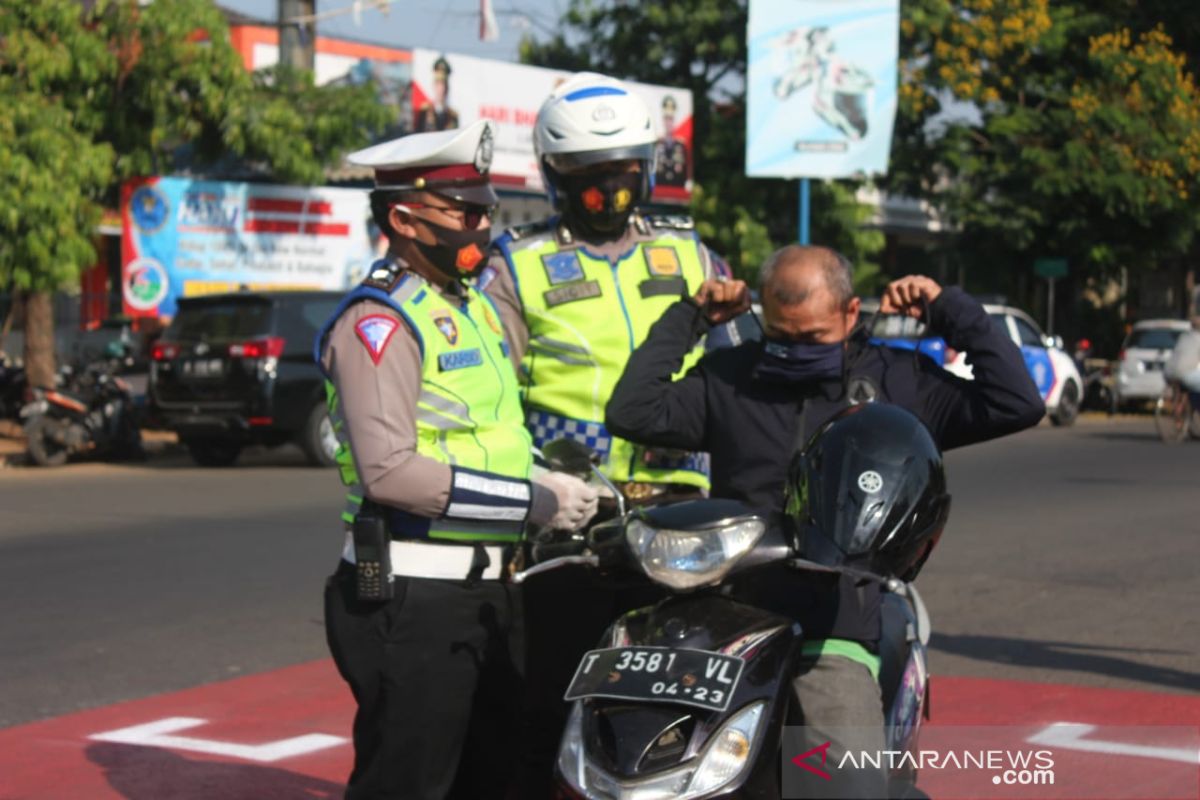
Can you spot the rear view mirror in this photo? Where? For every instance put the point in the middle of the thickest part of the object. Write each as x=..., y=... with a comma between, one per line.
x=569, y=455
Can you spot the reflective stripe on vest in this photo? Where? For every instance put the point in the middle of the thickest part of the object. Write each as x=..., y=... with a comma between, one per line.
x=585, y=317
x=468, y=410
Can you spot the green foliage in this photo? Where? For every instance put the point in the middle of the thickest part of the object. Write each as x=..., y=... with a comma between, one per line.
x=701, y=45
x=51, y=167
x=1040, y=128
x=176, y=74
x=89, y=98
x=299, y=128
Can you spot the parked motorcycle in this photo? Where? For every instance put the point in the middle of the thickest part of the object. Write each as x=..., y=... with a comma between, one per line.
x=13, y=387
x=689, y=698
x=92, y=412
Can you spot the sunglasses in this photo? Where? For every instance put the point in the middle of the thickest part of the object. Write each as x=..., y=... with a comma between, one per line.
x=472, y=214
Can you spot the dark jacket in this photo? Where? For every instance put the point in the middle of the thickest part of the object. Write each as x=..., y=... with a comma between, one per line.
x=751, y=427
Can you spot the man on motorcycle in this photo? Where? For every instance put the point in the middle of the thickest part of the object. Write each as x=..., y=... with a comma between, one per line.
x=752, y=406
x=577, y=293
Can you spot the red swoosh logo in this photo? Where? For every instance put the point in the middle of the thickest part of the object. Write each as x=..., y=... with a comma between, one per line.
x=801, y=760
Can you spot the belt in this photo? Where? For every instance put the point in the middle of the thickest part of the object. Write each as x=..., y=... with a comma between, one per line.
x=429, y=560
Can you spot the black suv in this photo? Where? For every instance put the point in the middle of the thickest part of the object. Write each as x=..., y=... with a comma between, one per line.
x=237, y=369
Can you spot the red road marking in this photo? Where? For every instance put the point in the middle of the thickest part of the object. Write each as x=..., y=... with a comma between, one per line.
x=979, y=701
x=55, y=760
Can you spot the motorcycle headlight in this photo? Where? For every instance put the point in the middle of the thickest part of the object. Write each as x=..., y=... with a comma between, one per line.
x=722, y=761
x=570, y=752
x=688, y=559
x=728, y=753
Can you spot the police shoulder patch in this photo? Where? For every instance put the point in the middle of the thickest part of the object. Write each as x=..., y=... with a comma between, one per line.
x=385, y=275
x=375, y=331
x=486, y=276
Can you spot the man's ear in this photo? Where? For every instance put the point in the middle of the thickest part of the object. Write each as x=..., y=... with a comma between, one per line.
x=401, y=223
x=853, y=307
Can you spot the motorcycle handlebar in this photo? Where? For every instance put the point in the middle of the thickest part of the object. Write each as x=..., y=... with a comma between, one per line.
x=553, y=564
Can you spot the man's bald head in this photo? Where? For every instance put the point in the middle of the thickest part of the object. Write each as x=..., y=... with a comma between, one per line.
x=793, y=273
x=808, y=294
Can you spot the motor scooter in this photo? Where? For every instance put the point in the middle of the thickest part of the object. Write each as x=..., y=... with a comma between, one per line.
x=689, y=698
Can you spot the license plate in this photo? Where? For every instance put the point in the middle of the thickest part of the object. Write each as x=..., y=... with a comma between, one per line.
x=204, y=368
x=658, y=674
x=1153, y=366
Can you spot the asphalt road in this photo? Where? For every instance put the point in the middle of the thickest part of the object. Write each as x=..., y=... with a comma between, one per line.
x=1072, y=556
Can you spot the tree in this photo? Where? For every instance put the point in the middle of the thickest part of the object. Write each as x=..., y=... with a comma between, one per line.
x=701, y=45
x=1041, y=129
x=51, y=167
x=92, y=96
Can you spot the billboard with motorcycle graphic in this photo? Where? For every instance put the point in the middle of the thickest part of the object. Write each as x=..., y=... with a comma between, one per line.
x=821, y=87
x=183, y=237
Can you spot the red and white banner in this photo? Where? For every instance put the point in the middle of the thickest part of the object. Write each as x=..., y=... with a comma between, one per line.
x=451, y=90
x=183, y=237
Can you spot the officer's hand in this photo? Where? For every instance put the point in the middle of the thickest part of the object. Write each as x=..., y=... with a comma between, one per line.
x=577, y=501
x=723, y=299
x=904, y=296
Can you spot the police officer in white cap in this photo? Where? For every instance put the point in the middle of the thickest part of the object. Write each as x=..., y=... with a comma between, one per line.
x=420, y=620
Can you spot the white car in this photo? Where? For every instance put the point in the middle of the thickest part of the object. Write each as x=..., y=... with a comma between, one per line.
x=1143, y=356
x=1053, y=371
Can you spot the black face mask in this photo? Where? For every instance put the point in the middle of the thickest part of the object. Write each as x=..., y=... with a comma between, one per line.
x=790, y=362
x=599, y=206
x=457, y=253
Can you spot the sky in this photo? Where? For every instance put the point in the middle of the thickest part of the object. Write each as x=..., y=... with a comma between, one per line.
x=448, y=25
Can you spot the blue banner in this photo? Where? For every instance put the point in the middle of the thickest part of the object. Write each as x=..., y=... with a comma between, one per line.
x=821, y=87
x=183, y=237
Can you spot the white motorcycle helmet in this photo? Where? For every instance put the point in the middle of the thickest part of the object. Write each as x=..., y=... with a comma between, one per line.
x=590, y=119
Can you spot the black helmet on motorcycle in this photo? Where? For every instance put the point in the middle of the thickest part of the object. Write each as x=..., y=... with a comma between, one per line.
x=868, y=492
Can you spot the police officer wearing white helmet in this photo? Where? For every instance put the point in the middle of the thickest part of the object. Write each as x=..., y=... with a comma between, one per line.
x=419, y=617
x=578, y=293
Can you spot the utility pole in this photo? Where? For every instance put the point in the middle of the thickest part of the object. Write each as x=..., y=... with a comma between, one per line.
x=297, y=40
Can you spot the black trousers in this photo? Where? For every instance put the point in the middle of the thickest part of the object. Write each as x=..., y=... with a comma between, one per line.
x=566, y=613
x=436, y=673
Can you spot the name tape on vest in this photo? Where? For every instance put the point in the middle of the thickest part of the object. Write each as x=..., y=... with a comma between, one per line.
x=572, y=292
x=656, y=287
x=459, y=359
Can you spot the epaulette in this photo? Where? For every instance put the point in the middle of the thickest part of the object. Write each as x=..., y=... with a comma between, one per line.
x=384, y=274
x=519, y=232
x=675, y=222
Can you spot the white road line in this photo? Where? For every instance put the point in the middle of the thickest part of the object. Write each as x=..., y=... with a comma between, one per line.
x=158, y=734
x=1070, y=736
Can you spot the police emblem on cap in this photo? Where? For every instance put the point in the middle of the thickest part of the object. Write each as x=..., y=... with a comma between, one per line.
x=483, y=153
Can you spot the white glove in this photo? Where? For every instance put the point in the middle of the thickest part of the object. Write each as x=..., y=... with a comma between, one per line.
x=577, y=502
